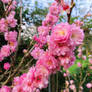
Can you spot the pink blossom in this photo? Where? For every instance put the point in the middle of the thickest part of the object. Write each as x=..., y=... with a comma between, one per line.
x=90, y=67
x=12, y=22
x=13, y=5
x=5, y=89
x=71, y=81
x=57, y=50
x=77, y=35
x=5, y=1
x=50, y=20
x=65, y=7
x=6, y=66
x=84, y=57
x=89, y=85
x=72, y=87
x=13, y=46
x=17, y=88
x=16, y=81
x=11, y=36
x=3, y=25
x=79, y=54
x=90, y=60
x=43, y=30
x=37, y=52
x=49, y=62
x=79, y=64
x=61, y=33
x=65, y=75
x=19, y=80
x=1, y=57
x=67, y=60
x=40, y=80
x=35, y=38
x=43, y=39
x=24, y=51
x=78, y=23
x=42, y=69
x=5, y=50
x=37, y=90
x=55, y=8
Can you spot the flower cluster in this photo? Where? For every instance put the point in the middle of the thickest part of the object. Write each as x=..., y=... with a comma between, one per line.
x=61, y=40
x=10, y=36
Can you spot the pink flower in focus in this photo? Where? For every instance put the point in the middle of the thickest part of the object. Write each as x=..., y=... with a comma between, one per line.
x=49, y=62
x=17, y=88
x=43, y=39
x=6, y=66
x=37, y=52
x=77, y=35
x=40, y=81
x=3, y=25
x=57, y=50
x=42, y=69
x=43, y=30
x=88, y=85
x=61, y=33
x=50, y=20
x=67, y=60
x=35, y=38
x=5, y=89
x=55, y=8
x=12, y=22
x=11, y=36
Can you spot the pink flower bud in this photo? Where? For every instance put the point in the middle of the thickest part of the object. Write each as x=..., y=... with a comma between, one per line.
x=89, y=85
x=79, y=64
x=24, y=51
x=65, y=75
x=84, y=57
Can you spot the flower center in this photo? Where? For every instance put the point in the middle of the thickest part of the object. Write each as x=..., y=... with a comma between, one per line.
x=62, y=32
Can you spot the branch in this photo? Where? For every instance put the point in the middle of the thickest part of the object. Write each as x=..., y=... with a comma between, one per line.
x=71, y=8
x=19, y=36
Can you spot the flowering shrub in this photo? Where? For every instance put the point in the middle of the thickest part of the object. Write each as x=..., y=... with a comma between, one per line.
x=60, y=41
